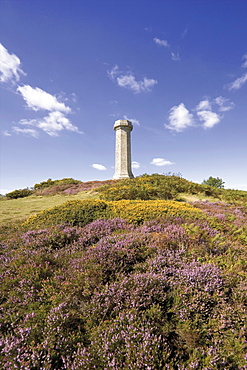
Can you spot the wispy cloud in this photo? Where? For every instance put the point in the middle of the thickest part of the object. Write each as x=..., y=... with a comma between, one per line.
x=74, y=97
x=161, y=162
x=129, y=81
x=160, y=42
x=133, y=120
x=135, y=164
x=112, y=73
x=244, y=64
x=6, y=133
x=239, y=82
x=38, y=99
x=204, y=104
x=51, y=124
x=175, y=57
x=99, y=167
x=179, y=118
x=224, y=104
x=10, y=66
x=26, y=131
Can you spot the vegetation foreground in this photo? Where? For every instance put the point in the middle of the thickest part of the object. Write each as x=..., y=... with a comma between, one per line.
x=128, y=284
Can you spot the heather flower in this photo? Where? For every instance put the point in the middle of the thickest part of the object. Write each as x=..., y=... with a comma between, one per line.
x=168, y=294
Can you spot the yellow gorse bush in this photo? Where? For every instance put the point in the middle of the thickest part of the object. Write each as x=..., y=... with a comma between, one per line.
x=134, y=211
x=138, y=211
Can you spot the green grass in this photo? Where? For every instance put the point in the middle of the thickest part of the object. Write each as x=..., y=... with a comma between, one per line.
x=195, y=197
x=21, y=208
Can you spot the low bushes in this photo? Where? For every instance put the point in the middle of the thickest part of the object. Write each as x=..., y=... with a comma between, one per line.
x=49, y=182
x=21, y=193
x=235, y=196
x=154, y=187
x=137, y=212
x=82, y=212
x=74, y=212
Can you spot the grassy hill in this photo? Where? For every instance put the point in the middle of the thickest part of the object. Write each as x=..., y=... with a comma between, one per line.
x=53, y=193
x=46, y=196
x=149, y=273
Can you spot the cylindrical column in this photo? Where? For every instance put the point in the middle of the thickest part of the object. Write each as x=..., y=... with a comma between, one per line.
x=123, y=150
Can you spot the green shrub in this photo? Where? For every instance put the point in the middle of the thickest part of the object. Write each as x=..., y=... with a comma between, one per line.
x=154, y=186
x=210, y=191
x=235, y=196
x=50, y=182
x=74, y=212
x=134, y=211
x=44, y=184
x=21, y=193
x=138, y=191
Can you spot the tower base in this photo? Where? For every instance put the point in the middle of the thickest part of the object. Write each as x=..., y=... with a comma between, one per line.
x=118, y=176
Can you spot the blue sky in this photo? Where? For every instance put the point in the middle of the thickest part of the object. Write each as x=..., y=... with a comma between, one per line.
x=70, y=69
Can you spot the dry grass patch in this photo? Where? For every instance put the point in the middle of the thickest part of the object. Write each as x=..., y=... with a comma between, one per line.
x=21, y=208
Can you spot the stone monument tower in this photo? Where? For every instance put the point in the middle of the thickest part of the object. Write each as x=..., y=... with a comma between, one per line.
x=123, y=150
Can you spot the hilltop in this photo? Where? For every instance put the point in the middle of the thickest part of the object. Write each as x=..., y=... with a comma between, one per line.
x=22, y=203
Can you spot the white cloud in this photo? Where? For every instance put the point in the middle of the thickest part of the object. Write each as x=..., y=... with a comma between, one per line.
x=9, y=66
x=207, y=116
x=135, y=164
x=161, y=162
x=244, y=65
x=175, y=57
x=224, y=104
x=55, y=122
x=113, y=72
x=99, y=167
x=180, y=118
x=133, y=120
x=204, y=104
x=129, y=82
x=52, y=124
x=239, y=82
x=37, y=99
x=6, y=133
x=210, y=118
x=26, y=131
x=161, y=42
